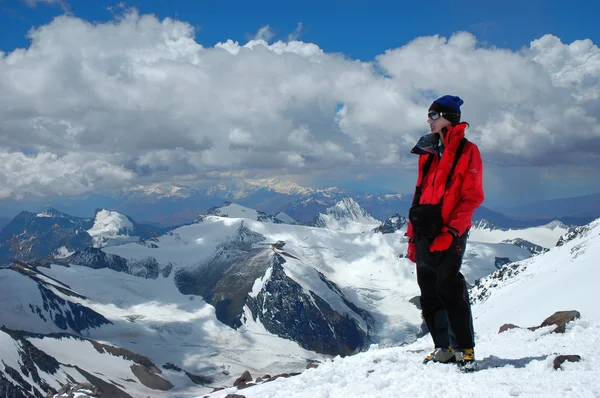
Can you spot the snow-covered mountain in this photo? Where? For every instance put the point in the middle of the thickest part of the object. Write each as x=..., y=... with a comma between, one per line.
x=302, y=203
x=234, y=210
x=225, y=295
x=565, y=278
x=111, y=228
x=34, y=365
x=346, y=216
x=485, y=224
x=31, y=236
x=245, y=188
x=284, y=218
x=154, y=192
x=545, y=236
x=173, y=204
x=529, y=359
x=531, y=247
x=392, y=224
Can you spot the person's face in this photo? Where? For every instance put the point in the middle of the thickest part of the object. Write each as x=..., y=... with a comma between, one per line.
x=436, y=122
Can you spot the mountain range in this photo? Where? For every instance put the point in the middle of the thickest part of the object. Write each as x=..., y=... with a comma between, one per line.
x=193, y=308
x=171, y=205
x=536, y=324
x=31, y=236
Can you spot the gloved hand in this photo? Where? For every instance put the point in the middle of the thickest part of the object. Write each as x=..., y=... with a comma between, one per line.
x=441, y=242
x=411, y=252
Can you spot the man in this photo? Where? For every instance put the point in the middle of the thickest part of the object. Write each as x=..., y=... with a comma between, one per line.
x=449, y=189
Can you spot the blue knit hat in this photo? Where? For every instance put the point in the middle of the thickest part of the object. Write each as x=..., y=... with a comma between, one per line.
x=448, y=104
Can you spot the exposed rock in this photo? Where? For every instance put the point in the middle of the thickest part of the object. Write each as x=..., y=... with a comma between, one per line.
x=32, y=360
x=81, y=390
x=171, y=366
x=245, y=377
x=29, y=237
x=529, y=246
x=149, y=379
x=67, y=314
x=126, y=354
x=285, y=375
x=16, y=376
x=392, y=224
x=264, y=378
x=507, y=326
x=560, y=319
x=225, y=279
x=105, y=389
x=166, y=271
x=144, y=268
x=244, y=384
x=482, y=288
x=201, y=380
x=96, y=259
x=416, y=301
x=572, y=233
x=486, y=224
x=288, y=311
x=501, y=261
x=559, y=360
x=312, y=366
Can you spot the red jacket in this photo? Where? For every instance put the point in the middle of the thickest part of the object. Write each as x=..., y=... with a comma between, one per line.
x=465, y=193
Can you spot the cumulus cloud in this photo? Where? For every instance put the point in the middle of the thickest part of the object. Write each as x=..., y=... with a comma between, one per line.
x=105, y=105
x=49, y=174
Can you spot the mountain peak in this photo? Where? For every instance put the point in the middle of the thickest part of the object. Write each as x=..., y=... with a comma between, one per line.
x=110, y=226
x=349, y=209
x=281, y=186
x=52, y=213
x=485, y=224
x=162, y=191
x=392, y=224
x=556, y=224
x=348, y=203
x=346, y=216
x=234, y=210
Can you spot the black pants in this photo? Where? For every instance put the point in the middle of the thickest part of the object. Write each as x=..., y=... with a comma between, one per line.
x=444, y=297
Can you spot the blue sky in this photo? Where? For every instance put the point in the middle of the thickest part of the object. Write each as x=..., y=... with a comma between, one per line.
x=159, y=108
x=359, y=29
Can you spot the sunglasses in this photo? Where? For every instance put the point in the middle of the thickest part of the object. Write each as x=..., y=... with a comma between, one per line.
x=437, y=115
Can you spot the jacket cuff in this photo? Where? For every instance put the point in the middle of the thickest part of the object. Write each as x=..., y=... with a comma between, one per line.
x=451, y=231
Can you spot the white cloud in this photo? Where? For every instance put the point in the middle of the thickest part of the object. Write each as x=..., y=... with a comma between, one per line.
x=295, y=35
x=147, y=102
x=33, y=3
x=49, y=174
x=522, y=105
x=264, y=33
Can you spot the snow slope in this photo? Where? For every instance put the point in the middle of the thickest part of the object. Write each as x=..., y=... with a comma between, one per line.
x=518, y=362
x=58, y=360
x=544, y=235
x=151, y=317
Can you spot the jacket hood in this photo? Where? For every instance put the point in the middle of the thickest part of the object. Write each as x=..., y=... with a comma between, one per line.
x=429, y=142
